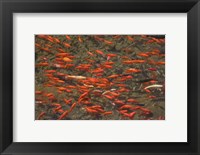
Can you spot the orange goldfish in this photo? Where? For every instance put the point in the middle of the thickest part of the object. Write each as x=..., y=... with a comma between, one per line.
x=113, y=76
x=133, y=70
x=111, y=55
x=42, y=64
x=107, y=113
x=66, y=45
x=41, y=115
x=57, y=40
x=108, y=42
x=160, y=63
x=79, y=39
x=99, y=52
x=66, y=59
x=38, y=92
x=143, y=55
x=68, y=37
x=130, y=38
x=63, y=115
x=119, y=102
x=72, y=107
x=50, y=71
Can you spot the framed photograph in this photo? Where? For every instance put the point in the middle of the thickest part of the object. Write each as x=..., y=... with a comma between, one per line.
x=99, y=77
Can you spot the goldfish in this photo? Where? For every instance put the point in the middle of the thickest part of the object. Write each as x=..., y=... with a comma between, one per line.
x=48, y=85
x=86, y=102
x=56, y=105
x=66, y=59
x=130, y=38
x=58, y=59
x=42, y=64
x=48, y=94
x=56, y=40
x=116, y=36
x=152, y=69
x=100, y=110
x=123, y=90
x=37, y=45
x=60, y=74
x=160, y=63
x=82, y=96
x=41, y=115
x=153, y=86
x=40, y=102
x=108, y=113
x=109, y=63
x=68, y=91
x=91, y=54
x=63, y=115
x=89, y=110
x=60, y=111
x=98, y=38
x=152, y=97
x=126, y=106
x=109, y=97
x=111, y=55
x=97, y=70
x=131, y=115
x=45, y=49
x=101, y=85
x=149, y=41
x=108, y=42
x=57, y=108
x=95, y=106
x=113, y=76
x=59, y=91
x=72, y=107
x=38, y=92
x=62, y=54
x=123, y=111
x=68, y=37
x=79, y=39
x=147, y=90
x=60, y=50
x=50, y=71
x=66, y=45
x=83, y=66
x=131, y=100
x=119, y=102
x=61, y=88
x=69, y=65
x=99, y=52
x=133, y=70
x=143, y=55
x=114, y=94
x=41, y=36
x=133, y=61
x=60, y=81
x=58, y=66
x=146, y=111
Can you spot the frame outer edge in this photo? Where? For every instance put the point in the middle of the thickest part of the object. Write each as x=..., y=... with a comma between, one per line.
x=193, y=75
x=3, y=145
x=1, y=79
x=198, y=67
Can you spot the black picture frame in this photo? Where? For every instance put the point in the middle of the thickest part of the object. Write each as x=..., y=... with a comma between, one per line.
x=8, y=7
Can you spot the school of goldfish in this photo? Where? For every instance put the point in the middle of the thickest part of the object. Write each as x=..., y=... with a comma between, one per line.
x=99, y=77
